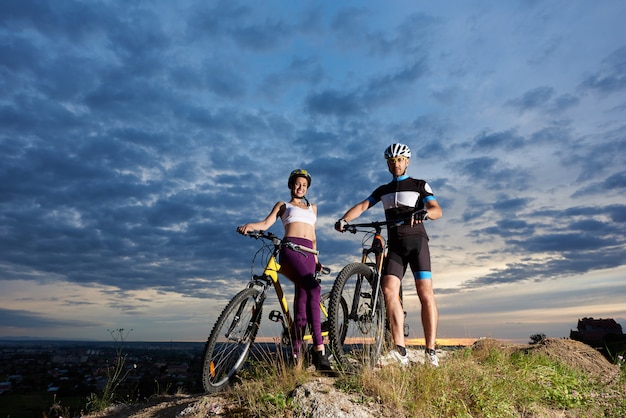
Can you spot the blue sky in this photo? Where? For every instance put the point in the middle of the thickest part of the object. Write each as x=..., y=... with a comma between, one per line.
x=136, y=136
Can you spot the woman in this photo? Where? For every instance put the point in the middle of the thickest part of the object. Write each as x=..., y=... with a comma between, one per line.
x=299, y=218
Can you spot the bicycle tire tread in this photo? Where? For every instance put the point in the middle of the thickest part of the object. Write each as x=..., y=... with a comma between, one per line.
x=210, y=345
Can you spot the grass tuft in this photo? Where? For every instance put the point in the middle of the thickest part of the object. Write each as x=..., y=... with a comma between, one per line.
x=487, y=380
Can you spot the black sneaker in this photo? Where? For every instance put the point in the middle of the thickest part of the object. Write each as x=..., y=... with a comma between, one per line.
x=320, y=361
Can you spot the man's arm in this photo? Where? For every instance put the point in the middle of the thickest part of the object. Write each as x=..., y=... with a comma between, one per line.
x=434, y=210
x=353, y=213
x=356, y=210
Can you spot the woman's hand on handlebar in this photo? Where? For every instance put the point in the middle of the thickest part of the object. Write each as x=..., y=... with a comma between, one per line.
x=244, y=229
x=321, y=269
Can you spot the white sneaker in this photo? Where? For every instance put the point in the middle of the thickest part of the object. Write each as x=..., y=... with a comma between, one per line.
x=394, y=357
x=431, y=357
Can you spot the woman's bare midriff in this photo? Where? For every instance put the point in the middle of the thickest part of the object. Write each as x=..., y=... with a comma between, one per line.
x=300, y=230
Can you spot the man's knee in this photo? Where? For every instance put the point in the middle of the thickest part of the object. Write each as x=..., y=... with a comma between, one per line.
x=390, y=286
x=425, y=290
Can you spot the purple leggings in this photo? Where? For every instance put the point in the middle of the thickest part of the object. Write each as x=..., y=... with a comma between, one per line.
x=300, y=269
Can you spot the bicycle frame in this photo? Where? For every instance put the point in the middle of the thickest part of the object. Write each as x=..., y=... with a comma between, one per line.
x=271, y=276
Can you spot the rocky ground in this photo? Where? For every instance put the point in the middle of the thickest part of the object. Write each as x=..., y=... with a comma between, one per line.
x=318, y=398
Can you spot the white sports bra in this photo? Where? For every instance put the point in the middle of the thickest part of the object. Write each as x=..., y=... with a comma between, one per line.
x=295, y=214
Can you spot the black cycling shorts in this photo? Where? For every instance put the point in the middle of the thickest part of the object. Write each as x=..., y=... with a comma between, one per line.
x=408, y=251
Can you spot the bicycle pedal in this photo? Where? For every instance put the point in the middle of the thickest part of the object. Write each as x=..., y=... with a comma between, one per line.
x=276, y=316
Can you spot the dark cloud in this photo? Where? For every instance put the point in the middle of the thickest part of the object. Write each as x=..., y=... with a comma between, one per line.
x=493, y=172
x=412, y=37
x=544, y=99
x=539, y=269
x=616, y=181
x=334, y=102
x=611, y=77
x=564, y=102
x=225, y=81
x=575, y=241
x=560, y=133
x=20, y=319
x=348, y=23
x=210, y=22
x=533, y=99
x=508, y=141
x=375, y=93
x=506, y=204
x=262, y=36
x=299, y=71
x=597, y=162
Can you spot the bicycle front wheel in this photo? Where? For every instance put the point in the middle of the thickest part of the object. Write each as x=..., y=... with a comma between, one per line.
x=357, y=317
x=229, y=343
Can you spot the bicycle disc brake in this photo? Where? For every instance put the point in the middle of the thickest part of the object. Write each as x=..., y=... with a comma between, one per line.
x=365, y=318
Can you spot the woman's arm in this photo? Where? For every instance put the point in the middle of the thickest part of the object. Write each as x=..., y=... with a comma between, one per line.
x=266, y=223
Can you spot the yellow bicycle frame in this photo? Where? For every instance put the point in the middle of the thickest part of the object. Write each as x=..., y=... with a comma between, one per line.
x=272, y=269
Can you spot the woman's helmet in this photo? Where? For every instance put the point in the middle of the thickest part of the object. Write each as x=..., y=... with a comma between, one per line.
x=299, y=173
x=397, y=150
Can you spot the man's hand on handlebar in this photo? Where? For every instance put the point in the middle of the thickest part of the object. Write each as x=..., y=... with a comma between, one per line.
x=419, y=217
x=340, y=225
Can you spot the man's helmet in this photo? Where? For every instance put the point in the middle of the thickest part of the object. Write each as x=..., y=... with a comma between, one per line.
x=299, y=173
x=397, y=150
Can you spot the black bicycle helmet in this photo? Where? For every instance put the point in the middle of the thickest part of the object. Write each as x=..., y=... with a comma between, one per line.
x=397, y=150
x=299, y=173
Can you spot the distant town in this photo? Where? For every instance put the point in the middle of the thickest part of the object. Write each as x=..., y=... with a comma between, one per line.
x=70, y=371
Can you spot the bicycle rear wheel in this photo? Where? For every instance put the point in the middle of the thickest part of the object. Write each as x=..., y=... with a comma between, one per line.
x=229, y=343
x=357, y=318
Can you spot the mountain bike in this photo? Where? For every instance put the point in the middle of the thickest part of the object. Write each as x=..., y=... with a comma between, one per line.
x=357, y=316
x=235, y=330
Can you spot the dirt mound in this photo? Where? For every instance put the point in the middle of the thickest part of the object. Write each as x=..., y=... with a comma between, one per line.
x=570, y=352
x=578, y=355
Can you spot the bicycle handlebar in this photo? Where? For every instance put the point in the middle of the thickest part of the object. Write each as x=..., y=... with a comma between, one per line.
x=301, y=248
x=261, y=234
x=379, y=224
x=277, y=241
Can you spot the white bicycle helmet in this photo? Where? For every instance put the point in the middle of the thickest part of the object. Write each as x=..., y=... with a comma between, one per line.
x=397, y=150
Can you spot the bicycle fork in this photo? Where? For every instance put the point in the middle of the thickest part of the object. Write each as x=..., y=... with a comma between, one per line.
x=378, y=248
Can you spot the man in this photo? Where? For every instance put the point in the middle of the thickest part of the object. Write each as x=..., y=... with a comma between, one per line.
x=407, y=245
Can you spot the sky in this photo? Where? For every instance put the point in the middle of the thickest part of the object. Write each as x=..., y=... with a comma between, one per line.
x=136, y=135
